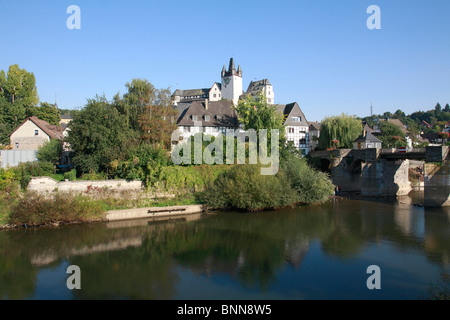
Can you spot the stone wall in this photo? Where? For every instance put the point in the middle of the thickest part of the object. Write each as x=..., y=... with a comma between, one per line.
x=437, y=185
x=385, y=178
x=47, y=184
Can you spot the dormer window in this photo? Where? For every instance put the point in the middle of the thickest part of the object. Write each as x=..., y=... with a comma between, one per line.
x=194, y=117
x=207, y=118
x=296, y=119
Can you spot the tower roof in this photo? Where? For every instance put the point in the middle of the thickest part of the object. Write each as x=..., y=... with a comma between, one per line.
x=232, y=70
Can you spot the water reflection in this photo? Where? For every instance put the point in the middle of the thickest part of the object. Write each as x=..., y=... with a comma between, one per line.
x=147, y=259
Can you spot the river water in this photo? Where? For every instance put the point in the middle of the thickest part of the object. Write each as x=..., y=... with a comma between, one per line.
x=315, y=252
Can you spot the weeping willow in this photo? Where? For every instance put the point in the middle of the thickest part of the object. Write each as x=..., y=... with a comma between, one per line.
x=339, y=131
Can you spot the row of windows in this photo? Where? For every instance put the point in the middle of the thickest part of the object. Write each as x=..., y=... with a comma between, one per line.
x=301, y=130
x=206, y=117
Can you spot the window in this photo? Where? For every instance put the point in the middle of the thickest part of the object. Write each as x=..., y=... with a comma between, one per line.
x=214, y=95
x=303, y=141
x=194, y=117
x=17, y=145
x=296, y=119
x=291, y=130
x=36, y=132
x=207, y=118
x=270, y=100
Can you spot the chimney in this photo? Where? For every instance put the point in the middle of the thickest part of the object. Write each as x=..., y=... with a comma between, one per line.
x=206, y=104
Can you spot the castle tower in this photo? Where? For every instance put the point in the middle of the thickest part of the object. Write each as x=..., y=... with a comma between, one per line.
x=232, y=82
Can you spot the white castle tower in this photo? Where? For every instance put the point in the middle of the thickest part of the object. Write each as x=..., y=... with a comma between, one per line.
x=232, y=82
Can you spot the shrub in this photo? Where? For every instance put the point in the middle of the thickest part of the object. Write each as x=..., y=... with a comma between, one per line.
x=243, y=187
x=71, y=175
x=50, y=152
x=36, y=209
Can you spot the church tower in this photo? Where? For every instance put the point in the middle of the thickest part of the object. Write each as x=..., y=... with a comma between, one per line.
x=232, y=82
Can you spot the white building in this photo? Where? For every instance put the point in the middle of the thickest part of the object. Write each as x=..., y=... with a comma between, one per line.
x=297, y=128
x=229, y=89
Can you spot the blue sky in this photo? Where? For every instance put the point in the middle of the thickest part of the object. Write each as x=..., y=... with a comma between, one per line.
x=318, y=53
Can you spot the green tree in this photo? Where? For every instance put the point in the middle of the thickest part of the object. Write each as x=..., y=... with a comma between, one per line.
x=344, y=128
x=51, y=151
x=98, y=135
x=157, y=122
x=18, y=95
x=391, y=135
x=140, y=93
x=47, y=112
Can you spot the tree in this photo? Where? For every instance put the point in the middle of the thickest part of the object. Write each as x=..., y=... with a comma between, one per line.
x=255, y=113
x=344, y=128
x=98, y=135
x=140, y=93
x=18, y=94
x=391, y=135
x=50, y=152
x=158, y=120
x=47, y=112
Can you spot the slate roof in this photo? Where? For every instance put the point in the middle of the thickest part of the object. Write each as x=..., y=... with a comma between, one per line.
x=314, y=126
x=368, y=137
x=292, y=110
x=221, y=114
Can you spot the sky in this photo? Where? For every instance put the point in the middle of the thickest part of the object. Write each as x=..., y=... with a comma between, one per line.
x=318, y=53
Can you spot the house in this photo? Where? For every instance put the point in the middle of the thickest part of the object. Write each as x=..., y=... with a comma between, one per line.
x=257, y=87
x=297, y=127
x=209, y=117
x=367, y=141
x=314, y=134
x=230, y=88
x=65, y=119
x=33, y=133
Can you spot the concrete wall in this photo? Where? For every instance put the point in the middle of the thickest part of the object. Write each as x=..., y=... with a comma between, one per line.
x=46, y=184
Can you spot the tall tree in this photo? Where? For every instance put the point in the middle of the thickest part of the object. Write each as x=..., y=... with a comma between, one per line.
x=339, y=131
x=140, y=93
x=47, y=112
x=18, y=95
x=98, y=135
x=391, y=135
x=158, y=120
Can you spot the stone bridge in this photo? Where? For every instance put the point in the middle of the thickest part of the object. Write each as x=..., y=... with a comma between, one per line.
x=387, y=172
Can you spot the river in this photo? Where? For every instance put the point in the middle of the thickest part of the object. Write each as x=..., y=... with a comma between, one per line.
x=314, y=252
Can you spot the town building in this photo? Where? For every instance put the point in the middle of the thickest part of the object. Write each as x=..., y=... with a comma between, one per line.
x=314, y=134
x=297, y=127
x=33, y=133
x=230, y=88
x=367, y=141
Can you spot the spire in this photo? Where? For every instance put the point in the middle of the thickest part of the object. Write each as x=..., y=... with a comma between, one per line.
x=224, y=70
x=231, y=68
x=239, y=70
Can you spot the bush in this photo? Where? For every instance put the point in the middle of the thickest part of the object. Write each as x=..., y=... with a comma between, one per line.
x=36, y=209
x=71, y=175
x=50, y=152
x=243, y=187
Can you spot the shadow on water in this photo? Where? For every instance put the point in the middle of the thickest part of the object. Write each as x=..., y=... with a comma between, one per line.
x=255, y=253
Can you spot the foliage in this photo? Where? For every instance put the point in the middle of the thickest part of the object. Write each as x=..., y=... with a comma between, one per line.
x=47, y=112
x=344, y=128
x=243, y=187
x=391, y=135
x=71, y=175
x=98, y=135
x=51, y=151
x=157, y=122
x=35, y=209
x=255, y=113
x=18, y=95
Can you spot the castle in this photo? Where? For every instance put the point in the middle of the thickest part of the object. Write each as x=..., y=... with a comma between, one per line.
x=230, y=88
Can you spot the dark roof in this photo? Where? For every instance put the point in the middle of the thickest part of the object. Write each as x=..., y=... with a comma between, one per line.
x=256, y=87
x=292, y=110
x=368, y=137
x=191, y=92
x=53, y=131
x=221, y=113
x=314, y=126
